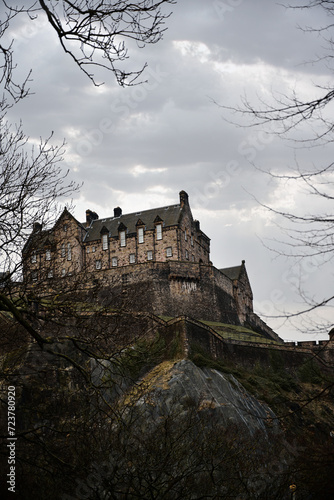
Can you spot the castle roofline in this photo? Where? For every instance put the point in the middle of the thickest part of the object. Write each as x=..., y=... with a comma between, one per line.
x=169, y=216
x=233, y=272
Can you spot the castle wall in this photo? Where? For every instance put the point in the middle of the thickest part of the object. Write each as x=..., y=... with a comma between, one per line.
x=67, y=257
x=195, y=335
x=170, y=289
x=55, y=253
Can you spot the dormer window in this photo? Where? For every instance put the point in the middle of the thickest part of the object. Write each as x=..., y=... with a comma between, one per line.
x=122, y=238
x=158, y=227
x=159, y=231
x=122, y=229
x=140, y=235
x=104, y=242
x=48, y=255
x=104, y=238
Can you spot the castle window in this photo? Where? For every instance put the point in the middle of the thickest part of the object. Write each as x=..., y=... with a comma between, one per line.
x=141, y=235
x=48, y=255
x=185, y=235
x=98, y=264
x=50, y=273
x=193, y=258
x=114, y=262
x=63, y=250
x=65, y=228
x=150, y=255
x=169, y=252
x=132, y=258
x=159, y=231
x=34, y=276
x=187, y=255
x=93, y=249
x=122, y=238
x=69, y=251
x=34, y=258
x=87, y=249
x=63, y=272
x=192, y=240
x=104, y=242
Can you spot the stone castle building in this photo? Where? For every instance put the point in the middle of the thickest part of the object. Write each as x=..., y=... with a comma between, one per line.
x=160, y=258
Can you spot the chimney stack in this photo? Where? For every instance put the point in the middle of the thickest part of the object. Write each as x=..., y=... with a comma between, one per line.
x=117, y=212
x=37, y=226
x=90, y=216
x=184, y=198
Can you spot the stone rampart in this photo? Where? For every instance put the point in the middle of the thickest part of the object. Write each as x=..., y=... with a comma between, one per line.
x=195, y=334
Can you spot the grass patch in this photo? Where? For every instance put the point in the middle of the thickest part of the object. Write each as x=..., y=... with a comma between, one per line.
x=237, y=332
x=165, y=318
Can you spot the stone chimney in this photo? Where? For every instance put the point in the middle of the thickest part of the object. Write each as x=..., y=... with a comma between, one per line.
x=197, y=227
x=90, y=216
x=37, y=226
x=117, y=212
x=184, y=199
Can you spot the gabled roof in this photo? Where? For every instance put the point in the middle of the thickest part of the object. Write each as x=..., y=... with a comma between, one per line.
x=66, y=213
x=232, y=272
x=169, y=215
x=41, y=238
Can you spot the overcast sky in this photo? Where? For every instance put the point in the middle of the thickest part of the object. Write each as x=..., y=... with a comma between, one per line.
x=138, y=147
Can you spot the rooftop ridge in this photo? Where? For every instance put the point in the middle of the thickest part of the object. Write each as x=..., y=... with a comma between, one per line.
x=100, y=219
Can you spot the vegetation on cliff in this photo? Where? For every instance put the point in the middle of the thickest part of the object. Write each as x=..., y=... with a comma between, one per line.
x=146, y=423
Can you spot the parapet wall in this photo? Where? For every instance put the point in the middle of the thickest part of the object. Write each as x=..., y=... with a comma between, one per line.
x=196, y=334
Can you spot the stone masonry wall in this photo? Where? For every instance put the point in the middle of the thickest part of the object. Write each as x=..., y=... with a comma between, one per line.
x=170, y=289
x=196, y=335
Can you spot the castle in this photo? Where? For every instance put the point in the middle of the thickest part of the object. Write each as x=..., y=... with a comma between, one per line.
x=158, y=258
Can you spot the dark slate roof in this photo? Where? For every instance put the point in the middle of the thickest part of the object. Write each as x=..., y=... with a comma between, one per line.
x=169, y=215
x=232, y=272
